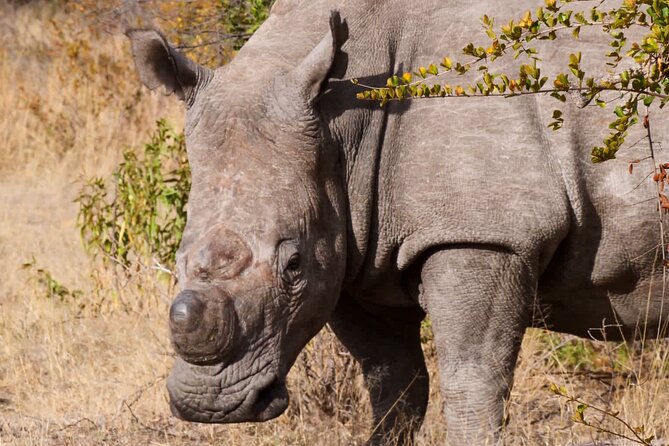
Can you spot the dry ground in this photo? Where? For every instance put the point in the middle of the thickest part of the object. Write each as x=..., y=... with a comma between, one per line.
x=90, y=369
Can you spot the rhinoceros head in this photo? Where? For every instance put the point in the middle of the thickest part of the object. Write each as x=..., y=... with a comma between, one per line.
x=263, y=255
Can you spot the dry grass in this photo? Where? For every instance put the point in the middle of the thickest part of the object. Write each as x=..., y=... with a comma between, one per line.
x=91, y=369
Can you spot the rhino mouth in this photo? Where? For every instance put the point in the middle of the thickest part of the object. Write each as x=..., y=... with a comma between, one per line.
x=259, y=397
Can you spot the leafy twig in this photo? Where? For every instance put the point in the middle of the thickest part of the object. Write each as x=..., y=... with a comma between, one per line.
x=636, y=432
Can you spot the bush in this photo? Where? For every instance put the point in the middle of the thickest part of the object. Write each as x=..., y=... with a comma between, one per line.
x=140, y=215
x=209, y=31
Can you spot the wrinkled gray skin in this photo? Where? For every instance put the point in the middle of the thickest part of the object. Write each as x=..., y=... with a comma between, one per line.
x=309, y=207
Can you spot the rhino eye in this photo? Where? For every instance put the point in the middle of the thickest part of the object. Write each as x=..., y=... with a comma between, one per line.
x=294, y=263
x=293, y=269
x=290, y=264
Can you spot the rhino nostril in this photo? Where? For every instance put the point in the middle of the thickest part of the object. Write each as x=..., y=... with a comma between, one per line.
x=186, y=311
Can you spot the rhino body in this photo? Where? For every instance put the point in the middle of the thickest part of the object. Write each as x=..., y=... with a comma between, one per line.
x=309, y=207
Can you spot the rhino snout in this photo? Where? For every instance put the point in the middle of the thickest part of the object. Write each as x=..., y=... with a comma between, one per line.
x=203, y=327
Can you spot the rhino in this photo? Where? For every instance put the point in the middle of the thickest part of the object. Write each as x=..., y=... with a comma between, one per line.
x=309, y=207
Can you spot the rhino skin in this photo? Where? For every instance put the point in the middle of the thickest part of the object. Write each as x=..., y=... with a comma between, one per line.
x=310, y=207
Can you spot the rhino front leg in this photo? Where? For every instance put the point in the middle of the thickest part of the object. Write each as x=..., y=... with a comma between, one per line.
x=478, y=301
x=387, y=345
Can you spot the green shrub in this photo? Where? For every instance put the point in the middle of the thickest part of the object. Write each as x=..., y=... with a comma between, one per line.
x=140, y=215
x=48, y=286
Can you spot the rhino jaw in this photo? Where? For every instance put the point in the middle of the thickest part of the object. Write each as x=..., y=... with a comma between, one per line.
x=258, y=397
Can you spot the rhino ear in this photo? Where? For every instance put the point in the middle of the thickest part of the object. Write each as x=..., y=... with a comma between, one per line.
x=310, y=74
x=158, y=63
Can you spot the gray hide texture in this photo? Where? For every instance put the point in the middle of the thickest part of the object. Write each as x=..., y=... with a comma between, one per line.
x=309, y=207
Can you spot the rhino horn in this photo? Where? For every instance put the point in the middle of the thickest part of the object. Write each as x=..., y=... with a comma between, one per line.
x=158, y=63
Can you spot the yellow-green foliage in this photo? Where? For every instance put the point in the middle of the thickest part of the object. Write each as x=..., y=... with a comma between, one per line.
x=210, y=31
x=141, y=214
x=646, y=80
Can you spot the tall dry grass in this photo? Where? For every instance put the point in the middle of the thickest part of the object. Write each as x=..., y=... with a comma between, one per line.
x=90, y=368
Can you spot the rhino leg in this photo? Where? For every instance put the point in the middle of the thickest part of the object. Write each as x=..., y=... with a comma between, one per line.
x=478, y=301
x=387, y=344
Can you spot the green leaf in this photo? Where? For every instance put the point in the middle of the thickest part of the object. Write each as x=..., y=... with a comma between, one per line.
x=575, y=59
x=447, y=63
x=559, y=96
x=561, y=82
x=487, y=79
